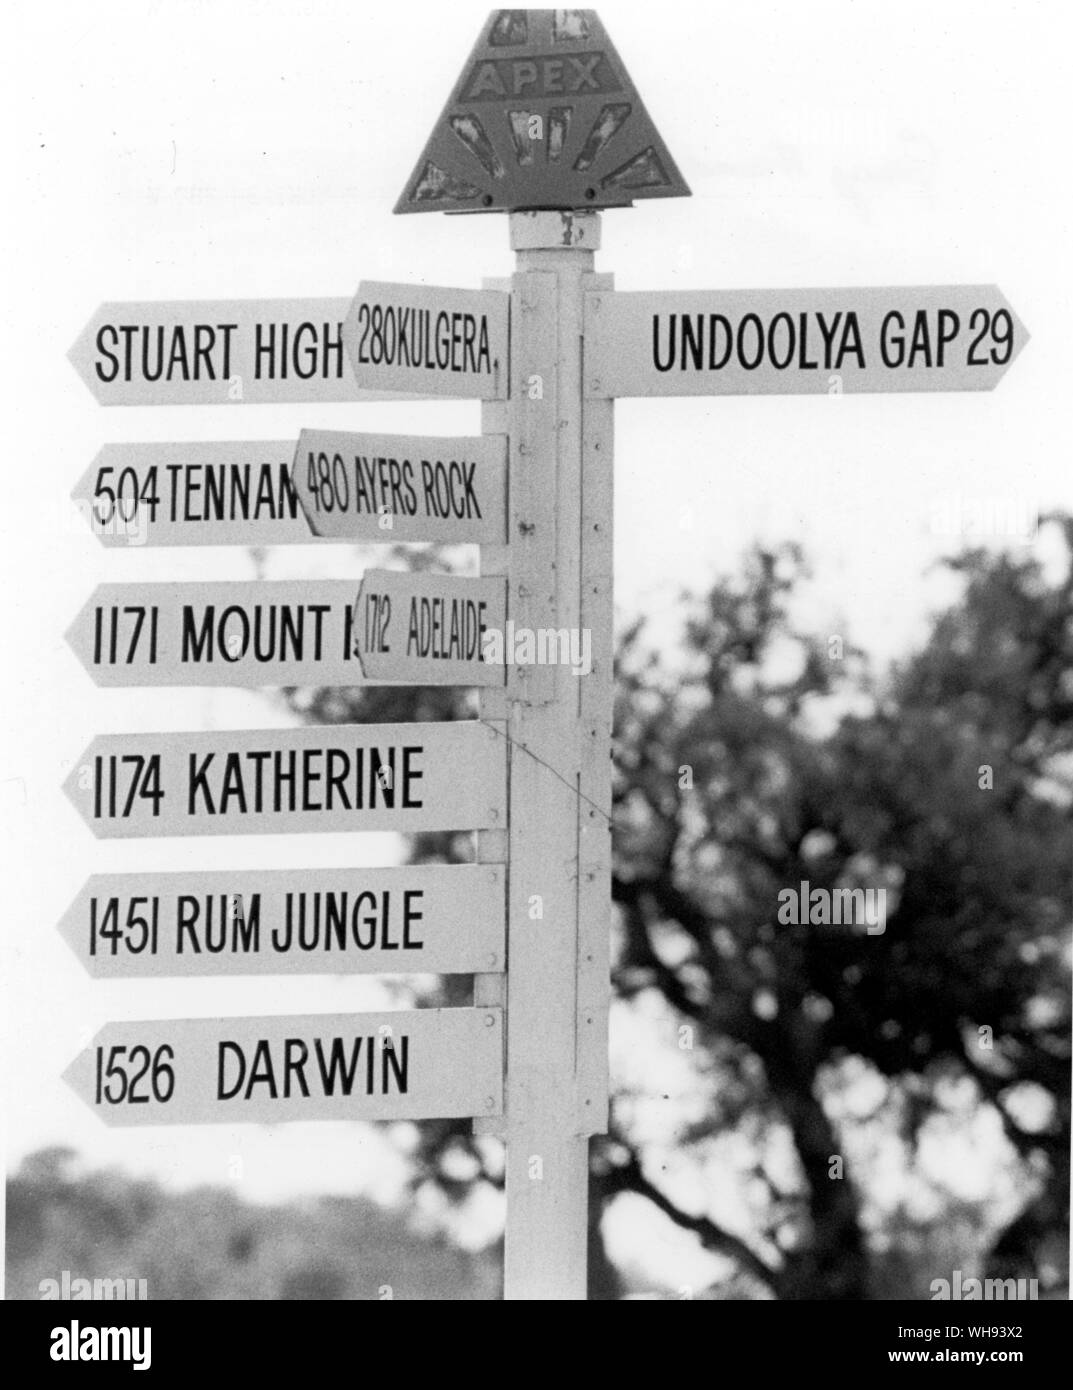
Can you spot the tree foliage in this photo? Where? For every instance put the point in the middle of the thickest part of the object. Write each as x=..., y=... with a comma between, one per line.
x=950, y=784
x=759, y=756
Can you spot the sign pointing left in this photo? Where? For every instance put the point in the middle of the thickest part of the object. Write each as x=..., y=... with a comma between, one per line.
x=421, y=629
x=403, y=777
x=217, y=352
x=413, y=1064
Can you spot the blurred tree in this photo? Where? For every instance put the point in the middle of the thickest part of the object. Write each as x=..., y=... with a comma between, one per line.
x=207, y=1244
x=951, y=787
x=759, y=757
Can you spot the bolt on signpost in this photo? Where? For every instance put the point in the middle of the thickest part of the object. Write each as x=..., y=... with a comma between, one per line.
x=545, y=125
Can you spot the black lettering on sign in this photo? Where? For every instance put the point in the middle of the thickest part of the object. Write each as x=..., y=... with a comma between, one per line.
x=127, y=496
x=403, y=336
x=157, y=352
x=339, y=921
x=135, y=932
x=446, y=629
x=134, y=1075
x=995, y=337
x=230, y=492
x=302, y=350
x=118, y=634
x=118, y=782
x=266, y=632
x=448, y=489
x=217, y=923
x=925, y=339
x=377, y=623
x=283, y=781
x=714, y=342
x=369, y=1065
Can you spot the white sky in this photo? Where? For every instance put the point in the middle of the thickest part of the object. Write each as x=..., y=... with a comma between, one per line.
x=175, y=150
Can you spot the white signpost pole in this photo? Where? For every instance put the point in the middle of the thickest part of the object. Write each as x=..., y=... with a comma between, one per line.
x=558, y=723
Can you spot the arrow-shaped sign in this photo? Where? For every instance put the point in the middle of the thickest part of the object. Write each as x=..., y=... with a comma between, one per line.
x=429, y=629
x=220, y=493
x=411, y=629
x=245, y=633
x=216, y=352
x=443, y=919
x=788, y=342
x=414, y=1064
x=404, y=777
x=429, y=341
x=385, y=487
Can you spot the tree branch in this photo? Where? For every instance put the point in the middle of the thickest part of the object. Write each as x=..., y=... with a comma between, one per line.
x=630, y=1177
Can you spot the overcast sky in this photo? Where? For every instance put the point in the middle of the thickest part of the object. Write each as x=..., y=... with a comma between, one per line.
x=175, y=150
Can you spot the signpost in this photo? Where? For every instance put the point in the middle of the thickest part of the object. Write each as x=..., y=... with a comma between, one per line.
x=405, y=777
x=404, y=628
x=437, y=918
x=417, y=1064
x=793, y=342
x=544, y=123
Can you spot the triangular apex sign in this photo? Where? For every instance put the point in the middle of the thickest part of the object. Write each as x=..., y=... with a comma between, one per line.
x=543, y=116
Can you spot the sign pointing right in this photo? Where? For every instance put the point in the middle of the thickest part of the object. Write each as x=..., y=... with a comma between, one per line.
x=799, y=342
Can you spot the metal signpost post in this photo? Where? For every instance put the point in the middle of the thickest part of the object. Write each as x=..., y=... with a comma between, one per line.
x=544, y=124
